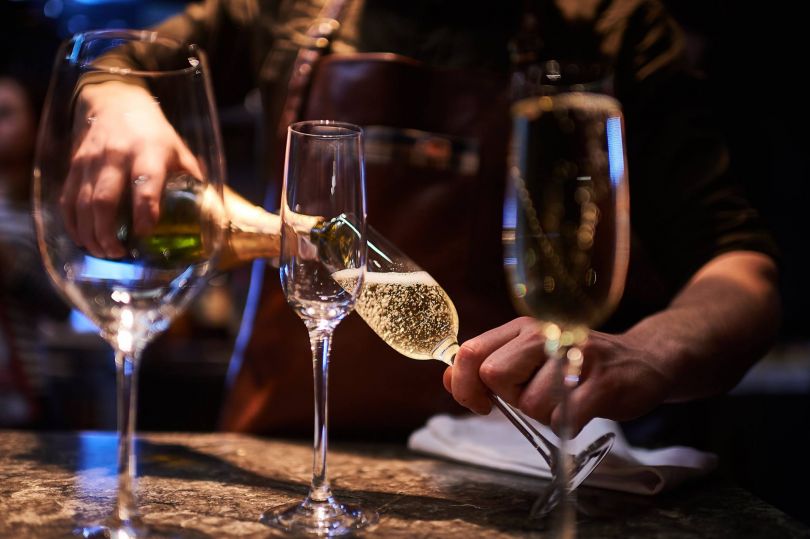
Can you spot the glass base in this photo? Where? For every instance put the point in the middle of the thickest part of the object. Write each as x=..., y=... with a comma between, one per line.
x=132, y=532
x=584, y=464
x=108, y=532
x=588, y=459
x=324, y=519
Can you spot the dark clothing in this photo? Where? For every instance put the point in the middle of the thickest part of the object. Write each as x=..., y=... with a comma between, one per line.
x=685, y=208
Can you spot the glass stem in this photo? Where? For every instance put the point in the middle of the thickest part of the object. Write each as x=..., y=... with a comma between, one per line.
x=446, y=353
x=538, y=441
x=320, y=339
x=565, y=515
x=126, y=366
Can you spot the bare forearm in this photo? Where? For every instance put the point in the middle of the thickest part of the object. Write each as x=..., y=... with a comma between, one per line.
x=723, y=320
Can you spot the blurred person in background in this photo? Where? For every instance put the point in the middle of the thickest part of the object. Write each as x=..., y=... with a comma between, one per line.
x=26, y=294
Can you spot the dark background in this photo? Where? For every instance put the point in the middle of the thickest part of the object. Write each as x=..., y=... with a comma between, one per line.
x=752, y=57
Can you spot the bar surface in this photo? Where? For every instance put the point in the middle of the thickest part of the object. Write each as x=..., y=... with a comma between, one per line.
x=217, y=485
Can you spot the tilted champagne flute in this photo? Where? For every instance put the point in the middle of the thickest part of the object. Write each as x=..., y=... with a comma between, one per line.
x=566, y=225
x=411, y=312
x=324, y=176
x=135, y=296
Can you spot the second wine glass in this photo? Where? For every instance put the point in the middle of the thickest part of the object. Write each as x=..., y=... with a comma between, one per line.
x=324, y=178
x=566, y=225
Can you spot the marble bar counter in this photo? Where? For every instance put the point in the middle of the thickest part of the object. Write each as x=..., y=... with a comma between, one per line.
x=216, y=485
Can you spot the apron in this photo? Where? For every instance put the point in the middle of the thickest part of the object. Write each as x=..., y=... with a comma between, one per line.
x=436, y=145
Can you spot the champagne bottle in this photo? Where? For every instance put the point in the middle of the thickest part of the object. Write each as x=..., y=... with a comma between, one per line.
x=180, y=236
x=401, y=302
x=193, y=221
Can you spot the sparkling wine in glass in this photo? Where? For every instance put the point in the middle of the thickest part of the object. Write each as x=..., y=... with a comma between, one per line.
x=133, y=296
x=324, y=178
x=566, y=223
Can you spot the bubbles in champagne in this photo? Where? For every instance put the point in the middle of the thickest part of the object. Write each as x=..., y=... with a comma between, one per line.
x=409, y=311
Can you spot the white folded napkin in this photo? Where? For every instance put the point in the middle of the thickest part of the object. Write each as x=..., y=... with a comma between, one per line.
x=493, y=442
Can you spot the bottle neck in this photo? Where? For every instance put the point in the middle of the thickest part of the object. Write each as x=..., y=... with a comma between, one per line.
x=251, y=232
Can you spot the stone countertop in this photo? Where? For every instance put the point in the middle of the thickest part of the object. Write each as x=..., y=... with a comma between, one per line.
x=218, y=484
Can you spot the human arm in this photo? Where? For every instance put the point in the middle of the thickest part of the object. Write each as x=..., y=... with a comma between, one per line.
x=706, y=287
x=719, y=324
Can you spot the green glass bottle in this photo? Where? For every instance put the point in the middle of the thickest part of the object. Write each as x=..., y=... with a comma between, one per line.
x=178, y=238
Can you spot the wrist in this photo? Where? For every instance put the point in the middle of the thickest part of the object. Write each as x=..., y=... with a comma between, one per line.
x=662, y=355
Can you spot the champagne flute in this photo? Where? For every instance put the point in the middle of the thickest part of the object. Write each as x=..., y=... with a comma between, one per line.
x=324, y=176
x=566, y=225
x=412, y=313
x=132, y=298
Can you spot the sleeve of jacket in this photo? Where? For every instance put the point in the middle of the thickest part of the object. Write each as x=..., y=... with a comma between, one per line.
x=227, y=32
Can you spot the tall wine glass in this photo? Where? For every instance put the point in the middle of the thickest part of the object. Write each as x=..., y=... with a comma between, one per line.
x=324, y=176
x=566, y=223
x=135, y=296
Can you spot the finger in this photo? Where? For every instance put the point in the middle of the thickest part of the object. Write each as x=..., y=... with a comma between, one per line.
x=466, y=384
x=509, y=368
x=593, y=395
x=486, y=343
x=585, y=402
x=106, y=201
x=447, y=379
x=85, y=224
x=188, y=162
x=148, y=178
x=541, y=395
x=85, y=168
